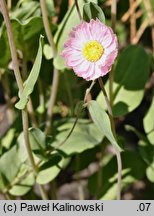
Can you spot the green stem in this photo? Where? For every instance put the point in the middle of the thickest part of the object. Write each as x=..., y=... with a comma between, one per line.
x=110, y=103
x=69, y=93
x=80, y=187
x=108, y=106
x=117, y=152
x=113, y=24
x=78, y=10
x=55, y=80
x=77, y=115
x=12, y=45
x=86, y=94
x=89, y=90
x=43, y=192
x=100, y=167
x=113, y=14
x=7, y=196
x=41, y=99
x=47, y=26
x=53, y=95
x=53, y=190
x=70, y=132
x=32, y=113
x=20, y=86
x=6, y=87
x=27, y=142
x=24, y=66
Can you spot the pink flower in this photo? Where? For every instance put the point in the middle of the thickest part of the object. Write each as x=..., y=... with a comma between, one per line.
x=91, y=49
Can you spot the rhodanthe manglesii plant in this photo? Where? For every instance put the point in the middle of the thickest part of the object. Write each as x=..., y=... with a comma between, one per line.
x=91, y=49
x=62, y=137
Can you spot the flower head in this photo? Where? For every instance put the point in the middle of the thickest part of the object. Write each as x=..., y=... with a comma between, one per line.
x=90, y=49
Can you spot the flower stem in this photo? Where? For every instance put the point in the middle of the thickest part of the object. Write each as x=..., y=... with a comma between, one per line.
x=12, y=46
x=108, y=106
x=55, y=80
x=53, y=95
x=26, y=137
x=77, y=115
x=89, y=90
x=47, y=26
x=28, y=147
x=78, y=10
x=109, y=103
x=117, y=152
x=113, y=24
x=80, y=186
x=113, y=14
x=20, y=86
x=41, y=99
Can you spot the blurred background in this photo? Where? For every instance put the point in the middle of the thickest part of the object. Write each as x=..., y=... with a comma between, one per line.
x=84, y=167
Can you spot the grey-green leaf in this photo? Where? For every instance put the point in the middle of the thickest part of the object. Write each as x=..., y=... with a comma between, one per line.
x=10, y=163
x=102, y=121
x=37, y=142
x=130, y=75
x=23, y=186
x=85, y=136
x=30, y=82
x=93, y=11
x=132, y=69
x=47, y=175
x=26, y=37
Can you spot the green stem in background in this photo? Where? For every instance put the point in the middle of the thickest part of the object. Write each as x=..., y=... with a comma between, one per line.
x=12, y=45
x=20, y=86
x=7, y=196
x=32, y=113
x=26, y=137
x=53, y=190
x=6, y=87
x=117, y=152
x=55, y=80
x=113, y=14
x=108, y=106
x=69, y=93
x=110, y=103
x=41, y=100
x=53, y=95
x=78, y=10
x=113, y=25
x=77, y=115
x=89, y=90
x=100, y=167
x=80, y=186
x=47, y=26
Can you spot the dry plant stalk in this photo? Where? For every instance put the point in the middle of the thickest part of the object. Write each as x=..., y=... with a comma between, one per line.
x=132, y=22
x=131, y=10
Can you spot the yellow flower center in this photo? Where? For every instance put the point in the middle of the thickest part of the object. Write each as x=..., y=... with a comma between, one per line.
x=92, y=51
